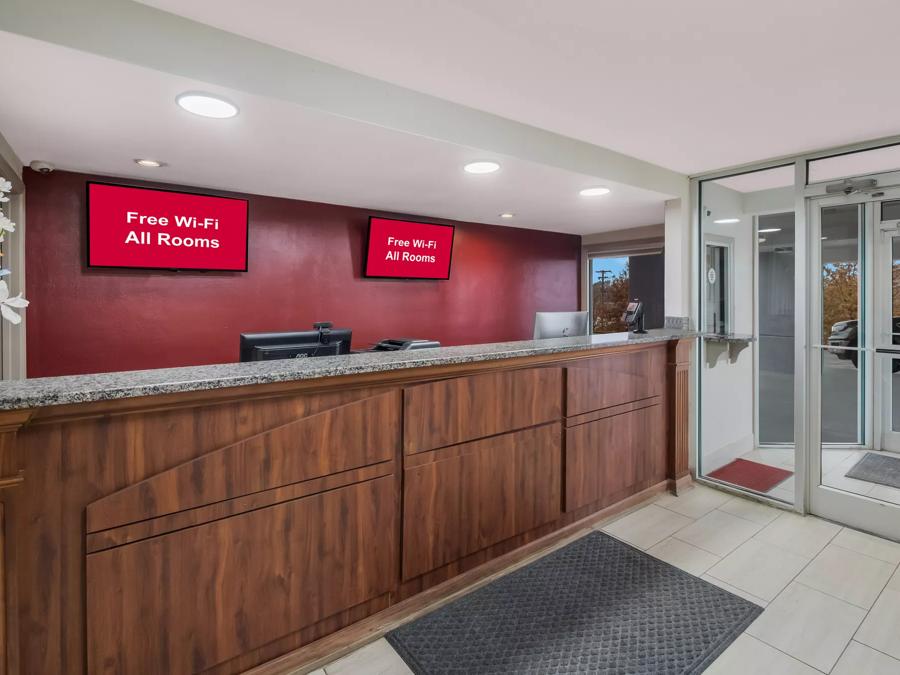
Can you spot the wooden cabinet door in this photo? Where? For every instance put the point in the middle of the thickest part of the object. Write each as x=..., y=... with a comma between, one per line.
x=611, y=458
x=467, y=497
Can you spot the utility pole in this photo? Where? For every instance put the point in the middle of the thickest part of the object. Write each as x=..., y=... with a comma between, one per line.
x=602, y=281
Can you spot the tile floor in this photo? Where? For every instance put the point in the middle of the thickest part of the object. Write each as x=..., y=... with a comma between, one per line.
x=835, y=464
x=831, y=595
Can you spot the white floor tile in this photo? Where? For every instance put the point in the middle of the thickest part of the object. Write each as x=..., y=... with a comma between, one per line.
x=718, y=532
x=804, y=536
x=808, y=625
x=694, y=503
x=869, y=545
x=759, y=568
x=750, y=510
x=858, y=659
x=684, y=556
x=647, y=526
x=377, y=658
x=847, y=575
x=749, y=656
x=881, y=629
x=736, y=591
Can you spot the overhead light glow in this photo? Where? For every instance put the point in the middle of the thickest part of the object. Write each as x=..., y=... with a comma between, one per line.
x=507, y=215
x=481, y=167
x=594, y=191
x=770, y=229
x=762, y=239
x=148, y=163
x=727, y=221
x=207, y=105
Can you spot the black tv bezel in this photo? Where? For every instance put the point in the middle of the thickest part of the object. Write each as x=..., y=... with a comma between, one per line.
x=365, y=269
x=87, y=218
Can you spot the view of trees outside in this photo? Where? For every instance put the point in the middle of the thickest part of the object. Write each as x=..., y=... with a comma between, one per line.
x=840, y=294
x=609, y=294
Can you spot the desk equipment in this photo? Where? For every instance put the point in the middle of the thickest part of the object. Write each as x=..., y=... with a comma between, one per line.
x=633, y=317
x=400, y=344
x=560, y=324
x=323, y=341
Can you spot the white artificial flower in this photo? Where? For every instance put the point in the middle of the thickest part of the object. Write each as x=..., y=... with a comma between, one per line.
x=6, y=225
x=8, y=305
x=5, y=185
x=3, y=197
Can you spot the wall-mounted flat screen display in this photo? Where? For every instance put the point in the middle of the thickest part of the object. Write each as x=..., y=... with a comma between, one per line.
x=404, y=249
x=162, y=229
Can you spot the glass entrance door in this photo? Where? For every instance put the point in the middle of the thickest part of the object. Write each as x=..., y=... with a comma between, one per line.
x=854, y=366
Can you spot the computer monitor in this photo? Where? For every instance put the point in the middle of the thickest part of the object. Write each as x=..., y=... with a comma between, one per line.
x=324, y=341
x=560, y=324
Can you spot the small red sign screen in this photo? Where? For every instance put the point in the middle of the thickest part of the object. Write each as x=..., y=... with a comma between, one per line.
x=159, y=229
x=407, y=250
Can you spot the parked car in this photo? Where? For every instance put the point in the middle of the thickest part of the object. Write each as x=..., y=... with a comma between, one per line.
x=846, y=334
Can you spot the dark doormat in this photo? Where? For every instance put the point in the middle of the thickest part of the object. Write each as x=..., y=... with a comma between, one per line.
x=595, y=606
x=879, y=469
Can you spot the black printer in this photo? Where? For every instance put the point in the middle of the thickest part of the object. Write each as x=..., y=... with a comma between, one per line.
x=397, y=344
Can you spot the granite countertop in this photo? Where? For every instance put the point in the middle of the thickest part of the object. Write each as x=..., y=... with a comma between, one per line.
x=46, y=391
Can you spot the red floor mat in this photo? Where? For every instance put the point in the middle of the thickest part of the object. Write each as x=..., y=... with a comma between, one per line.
x=751, y=475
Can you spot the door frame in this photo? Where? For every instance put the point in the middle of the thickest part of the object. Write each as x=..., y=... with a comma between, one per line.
x=858, y=511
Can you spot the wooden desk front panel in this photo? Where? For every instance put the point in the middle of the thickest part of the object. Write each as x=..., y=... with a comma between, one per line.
x=616, y=378
x=448, y=412
x=462, y=499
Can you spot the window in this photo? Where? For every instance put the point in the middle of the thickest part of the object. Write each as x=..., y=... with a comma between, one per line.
x=718, y=287
x=618, y=277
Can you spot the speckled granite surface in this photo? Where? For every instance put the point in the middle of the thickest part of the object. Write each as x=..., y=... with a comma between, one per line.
x=46, y=391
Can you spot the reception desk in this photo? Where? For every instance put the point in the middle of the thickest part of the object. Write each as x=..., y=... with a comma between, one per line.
x=209, y=519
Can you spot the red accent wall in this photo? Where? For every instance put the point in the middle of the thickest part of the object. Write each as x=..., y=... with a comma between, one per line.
x=305, y=264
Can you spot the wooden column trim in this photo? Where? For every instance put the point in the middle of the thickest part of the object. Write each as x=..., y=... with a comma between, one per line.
x=678, y=369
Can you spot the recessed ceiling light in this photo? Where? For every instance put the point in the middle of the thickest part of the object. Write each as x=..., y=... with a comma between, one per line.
x=481, y=167
x=507, y=215
x=594, y=191
x=207, y=105
x=727, y=221
x=762, y=239
x=148, y=163
x=770, y=229
x=824, y=238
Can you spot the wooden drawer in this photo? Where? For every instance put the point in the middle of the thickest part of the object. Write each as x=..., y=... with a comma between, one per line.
x=468, y=497
x=611, y=458
x=439, y=414
x=614, y=379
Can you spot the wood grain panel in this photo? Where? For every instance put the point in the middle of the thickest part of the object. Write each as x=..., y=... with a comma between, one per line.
x=614, y=379
x=611, y=457
x=353, y=435
x=491, y=490
x=678, y=376
x=461, y=409
x=184, y=602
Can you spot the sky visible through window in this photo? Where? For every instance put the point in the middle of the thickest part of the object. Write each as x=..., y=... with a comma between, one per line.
x=614, y=265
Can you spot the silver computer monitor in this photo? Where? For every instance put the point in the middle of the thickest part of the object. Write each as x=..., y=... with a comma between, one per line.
x=560, y=324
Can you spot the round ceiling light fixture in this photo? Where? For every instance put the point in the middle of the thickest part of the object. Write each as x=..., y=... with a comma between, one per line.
x=597, y=191
x=481, y=167
x=207, y=105
x=507, y=215
x=727, y=221
x=150, y=163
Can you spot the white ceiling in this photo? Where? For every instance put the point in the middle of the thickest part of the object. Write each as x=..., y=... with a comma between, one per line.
x=65, y=111
x=693, y=85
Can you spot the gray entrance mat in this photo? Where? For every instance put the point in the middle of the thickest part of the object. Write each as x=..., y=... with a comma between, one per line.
x=879, y=469
x=596, y=605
